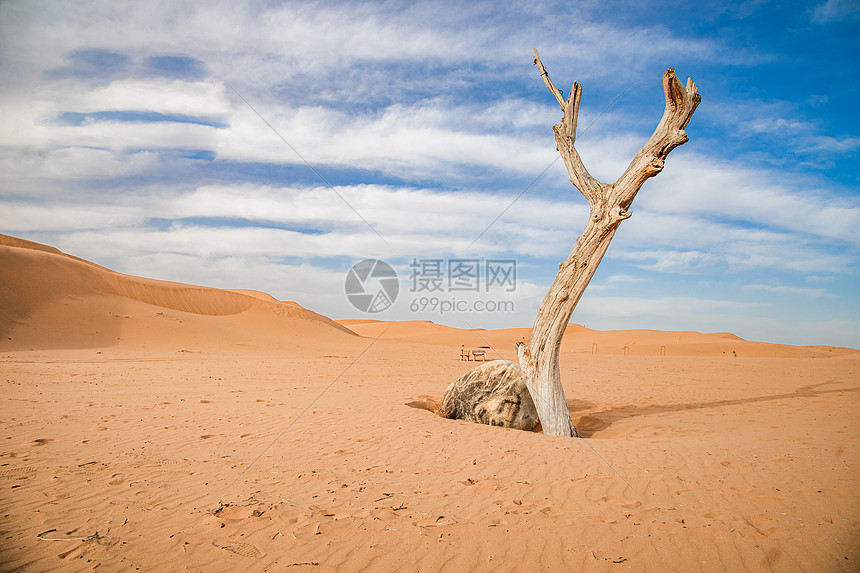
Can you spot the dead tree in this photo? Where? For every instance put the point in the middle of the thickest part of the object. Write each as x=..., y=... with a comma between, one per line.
x=610, y=204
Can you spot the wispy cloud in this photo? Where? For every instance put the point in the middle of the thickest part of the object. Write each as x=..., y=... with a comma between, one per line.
x=769, y=199
x=836, y=11
x=417, y=222
x=785, y=289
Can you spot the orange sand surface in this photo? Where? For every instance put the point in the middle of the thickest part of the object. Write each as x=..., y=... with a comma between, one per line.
x=157, y=426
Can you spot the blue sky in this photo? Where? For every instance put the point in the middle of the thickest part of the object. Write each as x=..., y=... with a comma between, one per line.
x=124, y=140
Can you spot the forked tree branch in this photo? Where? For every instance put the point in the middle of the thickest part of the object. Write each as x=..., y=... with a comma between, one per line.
x=681, y=102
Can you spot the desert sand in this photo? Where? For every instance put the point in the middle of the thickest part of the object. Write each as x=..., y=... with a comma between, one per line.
x=155, y=426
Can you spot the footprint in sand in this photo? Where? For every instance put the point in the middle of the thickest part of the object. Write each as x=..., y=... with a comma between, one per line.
x=16, y=472
x=236, y=513
x=239, y=547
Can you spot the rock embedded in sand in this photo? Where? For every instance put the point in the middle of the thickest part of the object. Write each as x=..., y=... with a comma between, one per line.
x=494, y=394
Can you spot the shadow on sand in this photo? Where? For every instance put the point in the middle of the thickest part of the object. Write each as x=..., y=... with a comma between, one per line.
x=596, y=422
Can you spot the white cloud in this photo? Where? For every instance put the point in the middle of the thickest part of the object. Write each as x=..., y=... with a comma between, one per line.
x=35, y=169
x=619, y=278
x=312, y=45
x=666, y=261
x=780, y=125
x=830, y=144
x=313, y=286
x=313, y=221
x=318, y=43
x=207, y=99
x=405, y=142
x=785, y=289
x=713, y=189
x=732, y=255
x=29, y=217
x=836, y=11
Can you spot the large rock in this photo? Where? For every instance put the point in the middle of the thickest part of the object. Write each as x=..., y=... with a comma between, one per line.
x=494, y=394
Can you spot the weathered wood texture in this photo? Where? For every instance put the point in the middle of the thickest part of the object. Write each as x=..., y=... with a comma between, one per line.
x=493, y=394
x=610, y=204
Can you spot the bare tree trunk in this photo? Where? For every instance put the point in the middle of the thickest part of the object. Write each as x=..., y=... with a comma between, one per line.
x=610, y=204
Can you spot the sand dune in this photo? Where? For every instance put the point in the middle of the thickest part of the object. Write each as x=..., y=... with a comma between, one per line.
x=581, y=340
x=53, y=300
x=154, y=426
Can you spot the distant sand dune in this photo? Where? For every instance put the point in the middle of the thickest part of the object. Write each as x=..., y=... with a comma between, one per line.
x=53, y=300
x=578, y=339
